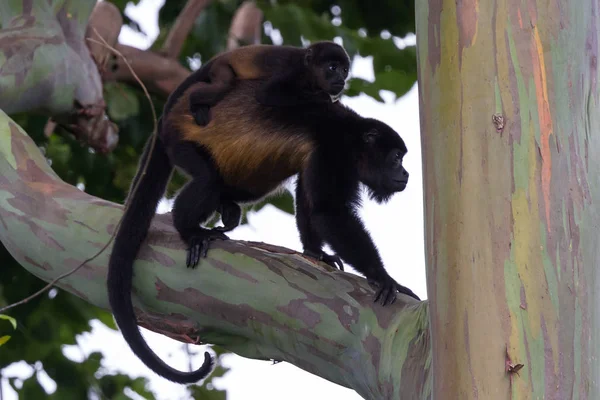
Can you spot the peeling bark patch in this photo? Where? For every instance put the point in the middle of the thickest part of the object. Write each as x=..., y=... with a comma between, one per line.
x=297, y=309
x=306, y=272
x=90, y=270
x=71, y=289
x=579, y=185
x=20, y=50
x=233, y=271
x=270, y=247
x=175, y=326
x=245, y=317
x=466, y=14
x=414, y=369
x=545, y=117
x=373, y=347
x=591, y=51
x=523, y=298
x=147, y=253
x=334, y=303
x=551, y=381
x=44, y=236
x=529, y=363
x=33, y=209
x=468, y=351
x=35, y=195
x=86, y=226
x=103, y=203
x=45, y=266
x=433, y=36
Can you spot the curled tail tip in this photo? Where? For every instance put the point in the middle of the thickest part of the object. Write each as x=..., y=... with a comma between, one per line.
x=205, y=369
x=207, y=366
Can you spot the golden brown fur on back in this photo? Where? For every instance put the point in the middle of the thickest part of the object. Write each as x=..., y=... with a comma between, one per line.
x=243, y=161
x=246, y=61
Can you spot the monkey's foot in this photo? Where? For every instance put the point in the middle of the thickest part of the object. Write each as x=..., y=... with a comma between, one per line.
x=334, y=260
x=386, y=292
x=198, y=244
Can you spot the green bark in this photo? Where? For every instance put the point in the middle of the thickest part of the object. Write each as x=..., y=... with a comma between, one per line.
x=45, y=64
x=256, y=300
x=509, y=118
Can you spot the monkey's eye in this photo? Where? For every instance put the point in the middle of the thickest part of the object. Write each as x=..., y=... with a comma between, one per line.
x=397, y=159
x=332, y=67
x=346, y=70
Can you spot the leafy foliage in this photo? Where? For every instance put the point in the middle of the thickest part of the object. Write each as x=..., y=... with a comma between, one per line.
x=50, y=321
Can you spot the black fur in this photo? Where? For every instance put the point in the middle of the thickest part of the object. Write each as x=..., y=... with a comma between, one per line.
x=322, y=75
x=132, y=233
x=297, y=76
x=348, y=150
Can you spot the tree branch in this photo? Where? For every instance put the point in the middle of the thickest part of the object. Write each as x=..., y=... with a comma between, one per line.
x=160, y=71
x=160, y=74
x=47, y=68
x=257, y=300
x=246, y=26
x=106, y=21
x=182, y=27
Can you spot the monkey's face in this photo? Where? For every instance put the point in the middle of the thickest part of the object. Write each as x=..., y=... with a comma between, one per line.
x=331, y=76
x=381, y=169
x=395, y=175
x=329, y=64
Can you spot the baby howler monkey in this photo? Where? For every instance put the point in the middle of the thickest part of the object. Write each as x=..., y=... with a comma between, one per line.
x=245, y=154
x=293, y=75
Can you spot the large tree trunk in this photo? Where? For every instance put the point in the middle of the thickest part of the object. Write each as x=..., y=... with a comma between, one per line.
x=509, y=115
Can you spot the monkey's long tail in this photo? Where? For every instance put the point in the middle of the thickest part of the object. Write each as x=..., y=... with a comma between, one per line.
x=132, y=233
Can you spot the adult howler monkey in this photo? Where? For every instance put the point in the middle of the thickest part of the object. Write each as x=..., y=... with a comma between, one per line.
x=243, y=155
x=293, y=75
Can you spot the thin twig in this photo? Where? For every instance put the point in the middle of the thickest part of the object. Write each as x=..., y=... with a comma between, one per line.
x=182, y=27
x=132, y=193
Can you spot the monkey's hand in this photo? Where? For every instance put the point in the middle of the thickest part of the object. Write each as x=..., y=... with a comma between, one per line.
x=198, y=244
x=334, y=260
x=386, y=290
x=201, y=115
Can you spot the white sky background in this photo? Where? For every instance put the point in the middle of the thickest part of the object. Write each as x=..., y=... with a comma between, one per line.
x=396, y=227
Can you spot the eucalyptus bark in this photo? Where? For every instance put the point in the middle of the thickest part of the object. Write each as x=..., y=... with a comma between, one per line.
x=46, y=67
x=44, y=62
x=257, y=300
x=509, y=117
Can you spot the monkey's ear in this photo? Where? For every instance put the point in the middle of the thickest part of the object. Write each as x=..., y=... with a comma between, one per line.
x=370, y=136
x=308, y=56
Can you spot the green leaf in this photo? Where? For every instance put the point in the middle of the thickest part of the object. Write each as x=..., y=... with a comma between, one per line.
x=207, y=392
x=122, y=101
x=32, y=389
x=12, y=321
x=140, y=386
x=285, y=202
x=357, y=86
x=4, y=339
x=294, y=21
x=107, y=319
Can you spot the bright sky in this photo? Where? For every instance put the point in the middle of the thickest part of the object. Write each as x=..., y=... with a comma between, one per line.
x=396, y=228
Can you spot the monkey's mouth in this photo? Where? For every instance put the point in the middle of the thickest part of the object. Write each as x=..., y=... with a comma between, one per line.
x=399, y=184
x=337, y=87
